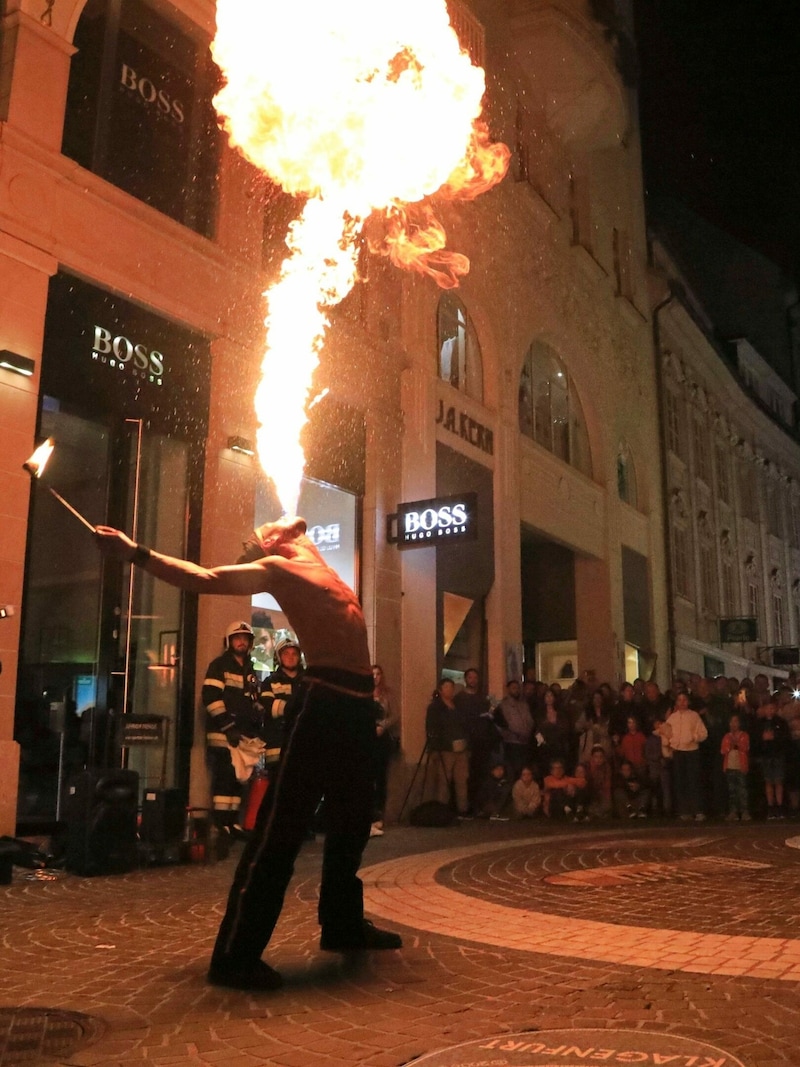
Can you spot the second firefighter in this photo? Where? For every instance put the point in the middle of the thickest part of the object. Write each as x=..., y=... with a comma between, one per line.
x=234, y=741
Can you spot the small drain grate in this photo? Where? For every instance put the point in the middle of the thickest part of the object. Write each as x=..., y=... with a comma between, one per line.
x=35, y=1035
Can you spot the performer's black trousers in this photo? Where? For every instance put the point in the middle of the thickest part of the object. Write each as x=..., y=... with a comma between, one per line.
x=329, y=751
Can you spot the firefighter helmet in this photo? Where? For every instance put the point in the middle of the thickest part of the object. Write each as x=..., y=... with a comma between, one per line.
x=239, y=628
x=284, y=643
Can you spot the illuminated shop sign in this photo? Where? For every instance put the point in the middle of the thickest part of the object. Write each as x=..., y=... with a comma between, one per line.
x=326, y=538
x=104, y=354
x=423, y=523
x=119, y=353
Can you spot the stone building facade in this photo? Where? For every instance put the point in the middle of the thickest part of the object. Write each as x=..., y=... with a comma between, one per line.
x=732, y=464
x=134, y=248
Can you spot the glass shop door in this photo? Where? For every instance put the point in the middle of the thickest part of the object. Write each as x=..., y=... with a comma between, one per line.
x=100, y=640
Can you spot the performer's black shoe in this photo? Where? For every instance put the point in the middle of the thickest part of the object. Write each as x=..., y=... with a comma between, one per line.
x=367, y=936
x=256, y=977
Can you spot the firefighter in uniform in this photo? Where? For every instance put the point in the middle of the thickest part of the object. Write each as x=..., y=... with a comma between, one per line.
x=278, y=691
x=235, y=719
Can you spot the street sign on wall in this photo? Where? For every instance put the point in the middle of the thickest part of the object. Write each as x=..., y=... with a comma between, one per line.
x=738, y=631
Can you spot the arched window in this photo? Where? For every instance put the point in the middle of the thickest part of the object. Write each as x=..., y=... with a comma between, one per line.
x=549, y=410
x=626, y=477
x=460, y=361
x=139, y=111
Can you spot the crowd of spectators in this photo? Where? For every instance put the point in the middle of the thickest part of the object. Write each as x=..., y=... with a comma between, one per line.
x=708, y=748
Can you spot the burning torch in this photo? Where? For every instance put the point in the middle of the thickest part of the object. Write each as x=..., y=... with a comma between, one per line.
x=35, y=466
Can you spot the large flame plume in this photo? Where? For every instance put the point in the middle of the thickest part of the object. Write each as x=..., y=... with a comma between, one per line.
x=360, y=108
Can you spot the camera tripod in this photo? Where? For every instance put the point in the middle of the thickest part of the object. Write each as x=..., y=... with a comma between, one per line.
x=425, y=758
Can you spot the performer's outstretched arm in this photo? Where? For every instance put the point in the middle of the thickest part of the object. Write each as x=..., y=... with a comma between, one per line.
x=242, y=578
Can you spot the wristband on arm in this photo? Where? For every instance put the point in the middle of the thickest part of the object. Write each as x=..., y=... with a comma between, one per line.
x=141, y=554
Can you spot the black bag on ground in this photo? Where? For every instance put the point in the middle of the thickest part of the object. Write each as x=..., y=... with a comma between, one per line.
x=100, y=813
x=432, y=813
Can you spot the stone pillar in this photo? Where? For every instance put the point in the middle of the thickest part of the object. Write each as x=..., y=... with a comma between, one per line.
x=34, y=74
x=598, y=638
x=380, y=564
x=24, y=276
x=418, y=565
x=503, y=606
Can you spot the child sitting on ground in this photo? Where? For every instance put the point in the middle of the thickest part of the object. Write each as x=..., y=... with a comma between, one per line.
x=494, y=794
x=599, y=775
x=581, y=793
x=631, y=798
x=526, y=795
x=563, y=795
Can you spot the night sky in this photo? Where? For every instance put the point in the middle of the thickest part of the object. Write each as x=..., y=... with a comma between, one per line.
x=720, y=113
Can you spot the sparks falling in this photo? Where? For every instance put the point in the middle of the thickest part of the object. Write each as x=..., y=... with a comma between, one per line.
x=361, y=109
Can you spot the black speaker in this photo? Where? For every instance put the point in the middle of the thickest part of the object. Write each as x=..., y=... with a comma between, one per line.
x=163, y=824
x=100, y=814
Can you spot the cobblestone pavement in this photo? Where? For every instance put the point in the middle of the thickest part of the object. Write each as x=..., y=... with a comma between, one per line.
x=684, y=930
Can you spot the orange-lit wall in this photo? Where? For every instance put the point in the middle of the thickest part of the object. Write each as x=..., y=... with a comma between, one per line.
x=545, y=265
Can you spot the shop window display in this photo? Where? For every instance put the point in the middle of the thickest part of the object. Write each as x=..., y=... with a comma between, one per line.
x=139, y=111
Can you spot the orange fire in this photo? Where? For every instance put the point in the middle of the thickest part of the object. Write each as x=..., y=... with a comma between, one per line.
x=363, y=110
x=37, y=462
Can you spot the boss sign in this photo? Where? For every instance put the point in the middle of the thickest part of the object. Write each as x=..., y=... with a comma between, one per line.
x=432, y=522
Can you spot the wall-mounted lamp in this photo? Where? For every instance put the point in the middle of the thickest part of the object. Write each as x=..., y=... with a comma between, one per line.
x=19, y=364
x=241, y=444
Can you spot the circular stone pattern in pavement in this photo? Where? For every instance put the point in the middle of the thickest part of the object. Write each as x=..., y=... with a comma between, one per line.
x=36, y=1035
x=672, y=875
x=678, y=902
x=576, y=1048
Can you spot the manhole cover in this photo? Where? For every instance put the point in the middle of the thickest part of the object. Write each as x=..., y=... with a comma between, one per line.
x=34, y=1035
x=576, y=1048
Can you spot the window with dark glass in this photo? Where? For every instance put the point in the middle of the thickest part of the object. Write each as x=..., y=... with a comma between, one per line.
x=681, y=561
x=774, y=511
x=549, y=409
x=460, y=361
x=723, y=476
x=702, y=456
x=729, y=586
x=708, y=570
x=794, y=528
x=139, y=111
x=748, y=492
x=626, y=478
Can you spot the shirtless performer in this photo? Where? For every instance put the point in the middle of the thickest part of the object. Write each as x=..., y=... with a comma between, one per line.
x=328, y=748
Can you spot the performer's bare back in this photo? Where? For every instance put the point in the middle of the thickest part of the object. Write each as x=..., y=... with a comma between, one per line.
x=322, y=609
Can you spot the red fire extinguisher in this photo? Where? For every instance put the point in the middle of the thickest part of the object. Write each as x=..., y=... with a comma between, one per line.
x=259, y=784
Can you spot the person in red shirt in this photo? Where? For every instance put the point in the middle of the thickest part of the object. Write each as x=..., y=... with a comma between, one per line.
x=631, y=747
